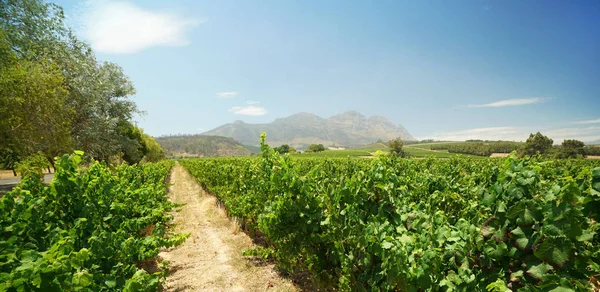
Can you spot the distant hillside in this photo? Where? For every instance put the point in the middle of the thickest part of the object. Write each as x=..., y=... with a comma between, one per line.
x=350, y=129
x=202, y=146
x=597, y=142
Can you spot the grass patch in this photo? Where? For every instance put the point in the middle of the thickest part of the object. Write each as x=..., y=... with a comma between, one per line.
x=428, y=145
x=362, y=152
x=420, y=152
x=337, y=153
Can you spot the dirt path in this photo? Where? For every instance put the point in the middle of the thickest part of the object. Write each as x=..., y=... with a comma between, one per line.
x=211, y=259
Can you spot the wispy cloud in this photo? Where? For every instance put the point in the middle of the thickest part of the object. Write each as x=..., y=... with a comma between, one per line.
x=249, y=110
x=120, y=27
x=510, y=102
x=586, y=122
x=252, y=102
x=227, y=94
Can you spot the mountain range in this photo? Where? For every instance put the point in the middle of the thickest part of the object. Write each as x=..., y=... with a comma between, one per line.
x=348, y=129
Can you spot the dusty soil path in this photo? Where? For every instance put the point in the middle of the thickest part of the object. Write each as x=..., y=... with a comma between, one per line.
x=211, y=259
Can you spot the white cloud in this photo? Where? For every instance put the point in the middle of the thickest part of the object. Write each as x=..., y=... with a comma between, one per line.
x=252, y=102
x=120, y=27
x=249, y=110
x=586, y=122
x=510, y=102
x=227, y=94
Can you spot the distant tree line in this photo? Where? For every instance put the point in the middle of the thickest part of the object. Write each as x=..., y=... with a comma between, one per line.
x=479, y=148
x=592, y=150
x=536, y=144
x=55, y=96
x=285, y=148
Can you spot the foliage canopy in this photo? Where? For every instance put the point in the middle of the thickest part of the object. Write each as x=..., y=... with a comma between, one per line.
x=54, y=95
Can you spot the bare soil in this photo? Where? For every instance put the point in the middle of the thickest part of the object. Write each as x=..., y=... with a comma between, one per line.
x=211, y=259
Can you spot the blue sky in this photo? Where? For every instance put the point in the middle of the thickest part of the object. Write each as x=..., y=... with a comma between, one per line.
x=443, y=69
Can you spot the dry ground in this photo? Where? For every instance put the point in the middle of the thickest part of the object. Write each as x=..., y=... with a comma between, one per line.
x=211, y=259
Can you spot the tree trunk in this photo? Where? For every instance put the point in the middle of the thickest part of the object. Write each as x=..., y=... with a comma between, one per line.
x=51, y=160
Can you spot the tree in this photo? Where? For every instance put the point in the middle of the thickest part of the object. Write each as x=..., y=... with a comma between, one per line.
x=132, y=143
x=154, y=151
x=396, y=146
x=34, y=107
x=39, y=53
x=102, y=108
x=537, y=143
x=315, y=148
x=571, y=149
x=285, y=148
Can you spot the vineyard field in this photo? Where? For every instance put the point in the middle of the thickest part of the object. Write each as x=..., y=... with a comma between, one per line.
x=94, y=228
x=394, y=224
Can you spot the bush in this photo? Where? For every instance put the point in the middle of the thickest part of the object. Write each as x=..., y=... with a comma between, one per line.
x=33, y=166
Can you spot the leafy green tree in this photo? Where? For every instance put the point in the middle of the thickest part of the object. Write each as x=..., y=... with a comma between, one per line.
x=315, y=148
x=154, y=151
x=571, y=149
x=285, y=148
x=395, y=146
x=537, y=143
x=34, y=108
x=132, y=142
x=101, y=110
x=48, y=53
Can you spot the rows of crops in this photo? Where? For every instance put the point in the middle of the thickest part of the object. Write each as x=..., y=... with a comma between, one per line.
x=479, y=148
x=415, y=225
x=97, y=229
